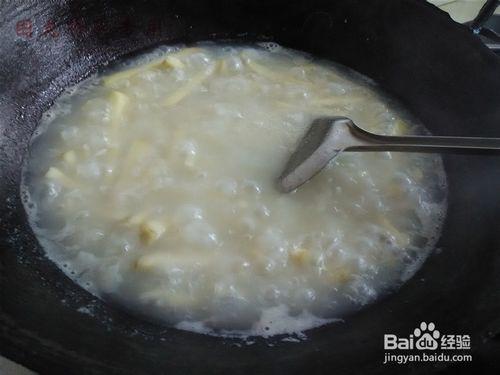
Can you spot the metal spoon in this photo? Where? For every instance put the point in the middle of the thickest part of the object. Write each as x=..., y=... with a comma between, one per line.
x=329, y=136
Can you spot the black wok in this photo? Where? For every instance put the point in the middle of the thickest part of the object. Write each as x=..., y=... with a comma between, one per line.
x=437, y=68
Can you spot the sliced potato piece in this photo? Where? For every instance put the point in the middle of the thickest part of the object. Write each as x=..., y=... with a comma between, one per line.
x=174, y=62
x=300, y=256
x=222, y=66
x=418, y=174
x=164, y=297
x=190, y=161
x=394, y=191
x=119, y=102
x=136, y=219
x=138, y=151
x=176, y=134
x=58, y=176
x=339, y=275
x=386, y=258
x=270, y=74
x=168, y=61
x=115, y=78
x=335, y=100
x=400, y=128
x=186, y=52
x=400, y=239
x=161, y=261
x=174, y=58
x=151, y=261
x=259, y=260
x=190, y=86
x=69, y=157
x=151, y=230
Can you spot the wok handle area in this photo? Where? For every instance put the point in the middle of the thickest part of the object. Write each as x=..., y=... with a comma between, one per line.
x=479, y=25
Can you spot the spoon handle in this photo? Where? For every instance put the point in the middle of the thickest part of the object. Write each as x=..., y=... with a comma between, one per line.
x=328, y=136
x=367, y=141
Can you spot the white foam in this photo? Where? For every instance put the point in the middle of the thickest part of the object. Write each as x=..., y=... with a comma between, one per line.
x=99, y=252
